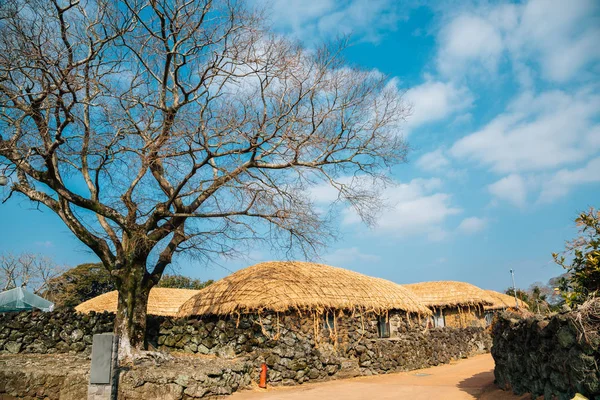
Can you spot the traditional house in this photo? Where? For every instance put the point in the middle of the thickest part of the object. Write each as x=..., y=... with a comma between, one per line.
x=321, y=295
x=161, y=301
x=502, y=302
x=454, y=304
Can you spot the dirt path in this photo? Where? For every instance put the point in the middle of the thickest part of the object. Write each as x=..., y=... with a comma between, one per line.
x=466, y=379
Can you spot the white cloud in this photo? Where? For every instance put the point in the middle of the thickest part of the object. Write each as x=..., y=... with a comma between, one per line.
x=311, y=20
x=472, y=225
x=536, y=133
x=414, y=208
x=418, y=207
x=437, y=161
x=564, y=180
x=466, y=40
x=433, y=161
x=558, y=37
x=326, y=193
x=563, y=34
x=433, y=101
x=347, y=256
x=511, y=188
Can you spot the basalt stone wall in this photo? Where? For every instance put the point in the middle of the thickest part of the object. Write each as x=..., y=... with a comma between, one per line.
x=549, y=357
x=299, y=348
x=59, y=331
x=183, y=378
x=48, y=377
x=296, y=347
x=298, y=363
x=66, y=376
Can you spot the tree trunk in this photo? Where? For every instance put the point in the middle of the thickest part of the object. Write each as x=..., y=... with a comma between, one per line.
x=130, y=323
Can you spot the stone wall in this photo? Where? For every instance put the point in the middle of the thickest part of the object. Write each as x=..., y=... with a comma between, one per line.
x=54, y=332
x=49, y=377
x=184, y=378
x=547, y=357
x=296, y=352
x=66, y=376
x=297, y=348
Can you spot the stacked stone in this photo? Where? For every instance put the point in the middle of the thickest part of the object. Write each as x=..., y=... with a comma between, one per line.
x=549, y=357
x=286, y=343
x=29, y=377
x=294, y=363
x=223, y=337
x=293, y=357
x=66, y=376
x=184, y=378
x=59, y=331
x=415, y=349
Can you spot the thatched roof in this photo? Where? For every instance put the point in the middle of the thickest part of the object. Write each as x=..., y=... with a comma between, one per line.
x=280, y=286
x=450, y=294
x=162, y=301
x=502, y=301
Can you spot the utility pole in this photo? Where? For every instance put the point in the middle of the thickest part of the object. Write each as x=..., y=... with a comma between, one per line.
x=512, y=273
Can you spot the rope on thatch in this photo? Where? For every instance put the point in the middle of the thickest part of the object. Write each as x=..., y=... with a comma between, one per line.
x=441, y=294
x=161, y=301
x=294, y=285
x=502, y=301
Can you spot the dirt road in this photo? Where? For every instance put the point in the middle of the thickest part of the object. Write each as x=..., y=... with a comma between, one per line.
x=466, y=379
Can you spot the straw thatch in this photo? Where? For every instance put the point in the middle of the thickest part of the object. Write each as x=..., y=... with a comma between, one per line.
x=450, y=294
x=296, y=285
x=162, y=301
x=502, y=301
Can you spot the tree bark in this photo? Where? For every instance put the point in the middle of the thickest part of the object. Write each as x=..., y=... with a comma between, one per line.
x=130, y=323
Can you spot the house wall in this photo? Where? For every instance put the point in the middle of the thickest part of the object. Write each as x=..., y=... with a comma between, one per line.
x=352, y=348
x=463, y=317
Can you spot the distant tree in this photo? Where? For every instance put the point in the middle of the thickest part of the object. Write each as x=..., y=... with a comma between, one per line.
x=30, y=270
x=79, y=284
x=87, y=281
x=521, y=294
x=581, y=259
x=183, y=282
x=538, y=295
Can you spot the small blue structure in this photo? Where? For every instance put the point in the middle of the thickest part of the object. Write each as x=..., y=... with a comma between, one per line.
x=20, y=299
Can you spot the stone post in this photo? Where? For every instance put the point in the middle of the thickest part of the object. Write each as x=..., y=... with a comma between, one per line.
x=103, y=371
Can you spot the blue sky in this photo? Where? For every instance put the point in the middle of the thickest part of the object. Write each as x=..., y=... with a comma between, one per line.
x=505, y=131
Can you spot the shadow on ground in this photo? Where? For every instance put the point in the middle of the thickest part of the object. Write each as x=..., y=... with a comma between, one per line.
x=475, y=385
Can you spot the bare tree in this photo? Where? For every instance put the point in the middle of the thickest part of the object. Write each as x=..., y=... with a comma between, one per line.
x=30, y=270
x=158, y=126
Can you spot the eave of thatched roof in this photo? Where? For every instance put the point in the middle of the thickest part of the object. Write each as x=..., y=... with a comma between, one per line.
x=450, y=294
x=295, y=285
x=162, y=301
x=502, y=301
